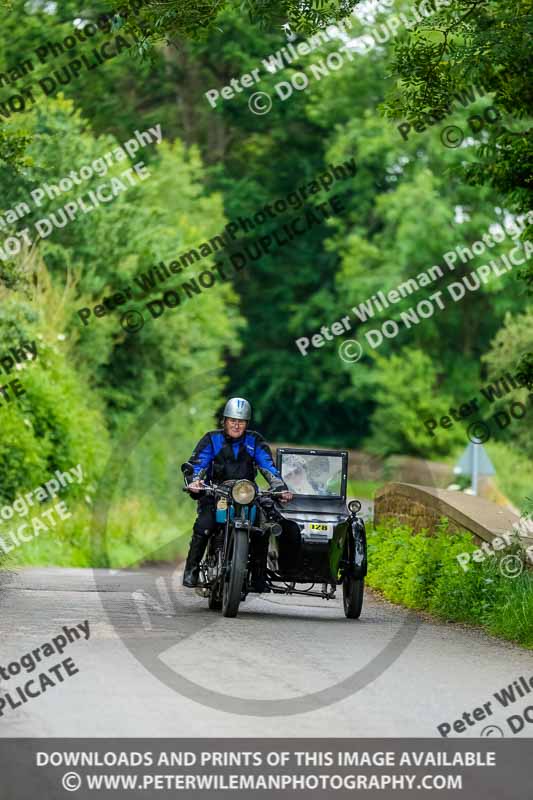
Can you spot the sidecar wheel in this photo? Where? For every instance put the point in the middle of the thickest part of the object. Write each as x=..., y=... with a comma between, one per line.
x=353, y=590
x=234, y=581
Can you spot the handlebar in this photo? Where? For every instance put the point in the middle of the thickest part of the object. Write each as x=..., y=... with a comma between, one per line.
x=214, y=489
x=210, y=489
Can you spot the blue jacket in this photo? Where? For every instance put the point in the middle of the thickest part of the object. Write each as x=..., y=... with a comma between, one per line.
x=218, y=457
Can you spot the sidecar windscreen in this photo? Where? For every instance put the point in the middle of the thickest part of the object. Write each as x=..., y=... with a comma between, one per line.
x=314, y=473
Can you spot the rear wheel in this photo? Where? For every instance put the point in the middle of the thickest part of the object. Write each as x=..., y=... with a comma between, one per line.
x=353, y=590
x=237, y=566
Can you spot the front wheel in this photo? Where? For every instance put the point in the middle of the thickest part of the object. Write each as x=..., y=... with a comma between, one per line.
x=353, y=590
x=236, y=569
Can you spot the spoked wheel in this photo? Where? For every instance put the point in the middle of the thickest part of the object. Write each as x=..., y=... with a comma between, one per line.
x=237, y=565
x=353, y=590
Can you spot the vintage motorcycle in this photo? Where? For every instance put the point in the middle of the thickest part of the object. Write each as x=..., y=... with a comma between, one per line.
x=227, y=570
x=313, y=539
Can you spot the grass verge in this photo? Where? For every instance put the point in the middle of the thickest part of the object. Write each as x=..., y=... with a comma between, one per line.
x=364, y=490
x=422, y=572
x=137, y=531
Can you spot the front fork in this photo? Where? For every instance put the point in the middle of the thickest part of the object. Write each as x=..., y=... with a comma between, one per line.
x=238, y=524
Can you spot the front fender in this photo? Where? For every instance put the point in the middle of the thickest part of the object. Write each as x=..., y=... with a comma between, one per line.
x=357, y=551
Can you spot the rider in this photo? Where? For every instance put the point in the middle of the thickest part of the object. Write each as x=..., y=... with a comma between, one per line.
x=229, y=454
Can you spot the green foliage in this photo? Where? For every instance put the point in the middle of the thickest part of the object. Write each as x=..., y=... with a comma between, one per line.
x=155, y=220
x=12, y=149
x=514, y=469
x=406, y=206
x=422, y=572
x=363, y=490
x=402, y=215
x=487, y=44
x=190, y=19
x=137, y=528
x=83, y=396
x=56, y=423
x=406, y=393
x=511, y=350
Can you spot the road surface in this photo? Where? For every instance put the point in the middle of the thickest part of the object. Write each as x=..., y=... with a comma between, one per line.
x=279, y=648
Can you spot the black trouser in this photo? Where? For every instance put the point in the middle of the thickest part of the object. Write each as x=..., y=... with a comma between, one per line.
x=205, y=522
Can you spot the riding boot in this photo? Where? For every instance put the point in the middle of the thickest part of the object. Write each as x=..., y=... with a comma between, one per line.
x=192, y=565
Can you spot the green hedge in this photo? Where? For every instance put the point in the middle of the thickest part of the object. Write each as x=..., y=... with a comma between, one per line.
x=137, y=529
x=422, y=572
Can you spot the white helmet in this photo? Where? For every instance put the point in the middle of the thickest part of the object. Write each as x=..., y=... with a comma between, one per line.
x=238, y=408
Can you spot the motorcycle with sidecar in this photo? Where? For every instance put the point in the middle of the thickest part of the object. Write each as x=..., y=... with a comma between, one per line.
x=315, y=540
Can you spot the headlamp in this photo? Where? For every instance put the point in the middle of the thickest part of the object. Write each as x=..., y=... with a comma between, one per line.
x=243, y=492
x=354, y=506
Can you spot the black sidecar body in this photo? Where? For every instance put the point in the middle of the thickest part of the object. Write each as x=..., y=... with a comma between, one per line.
x=323, y=540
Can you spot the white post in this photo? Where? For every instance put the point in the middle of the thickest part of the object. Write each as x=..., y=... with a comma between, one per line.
x=475, y=468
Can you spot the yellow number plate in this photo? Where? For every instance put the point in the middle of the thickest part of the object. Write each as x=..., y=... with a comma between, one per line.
x=318, y=526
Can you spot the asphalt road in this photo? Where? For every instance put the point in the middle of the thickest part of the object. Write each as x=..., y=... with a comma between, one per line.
x=279, y=649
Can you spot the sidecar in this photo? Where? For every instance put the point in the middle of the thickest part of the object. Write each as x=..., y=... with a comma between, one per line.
x=323, y=540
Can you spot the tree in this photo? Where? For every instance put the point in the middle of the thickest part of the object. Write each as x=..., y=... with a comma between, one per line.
x=115, y=243
x=407, y=394
x=57, y=422
x=511, y=352
x=483, y=43
x=192, y=20
x=91, y=389
x=405, y=208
